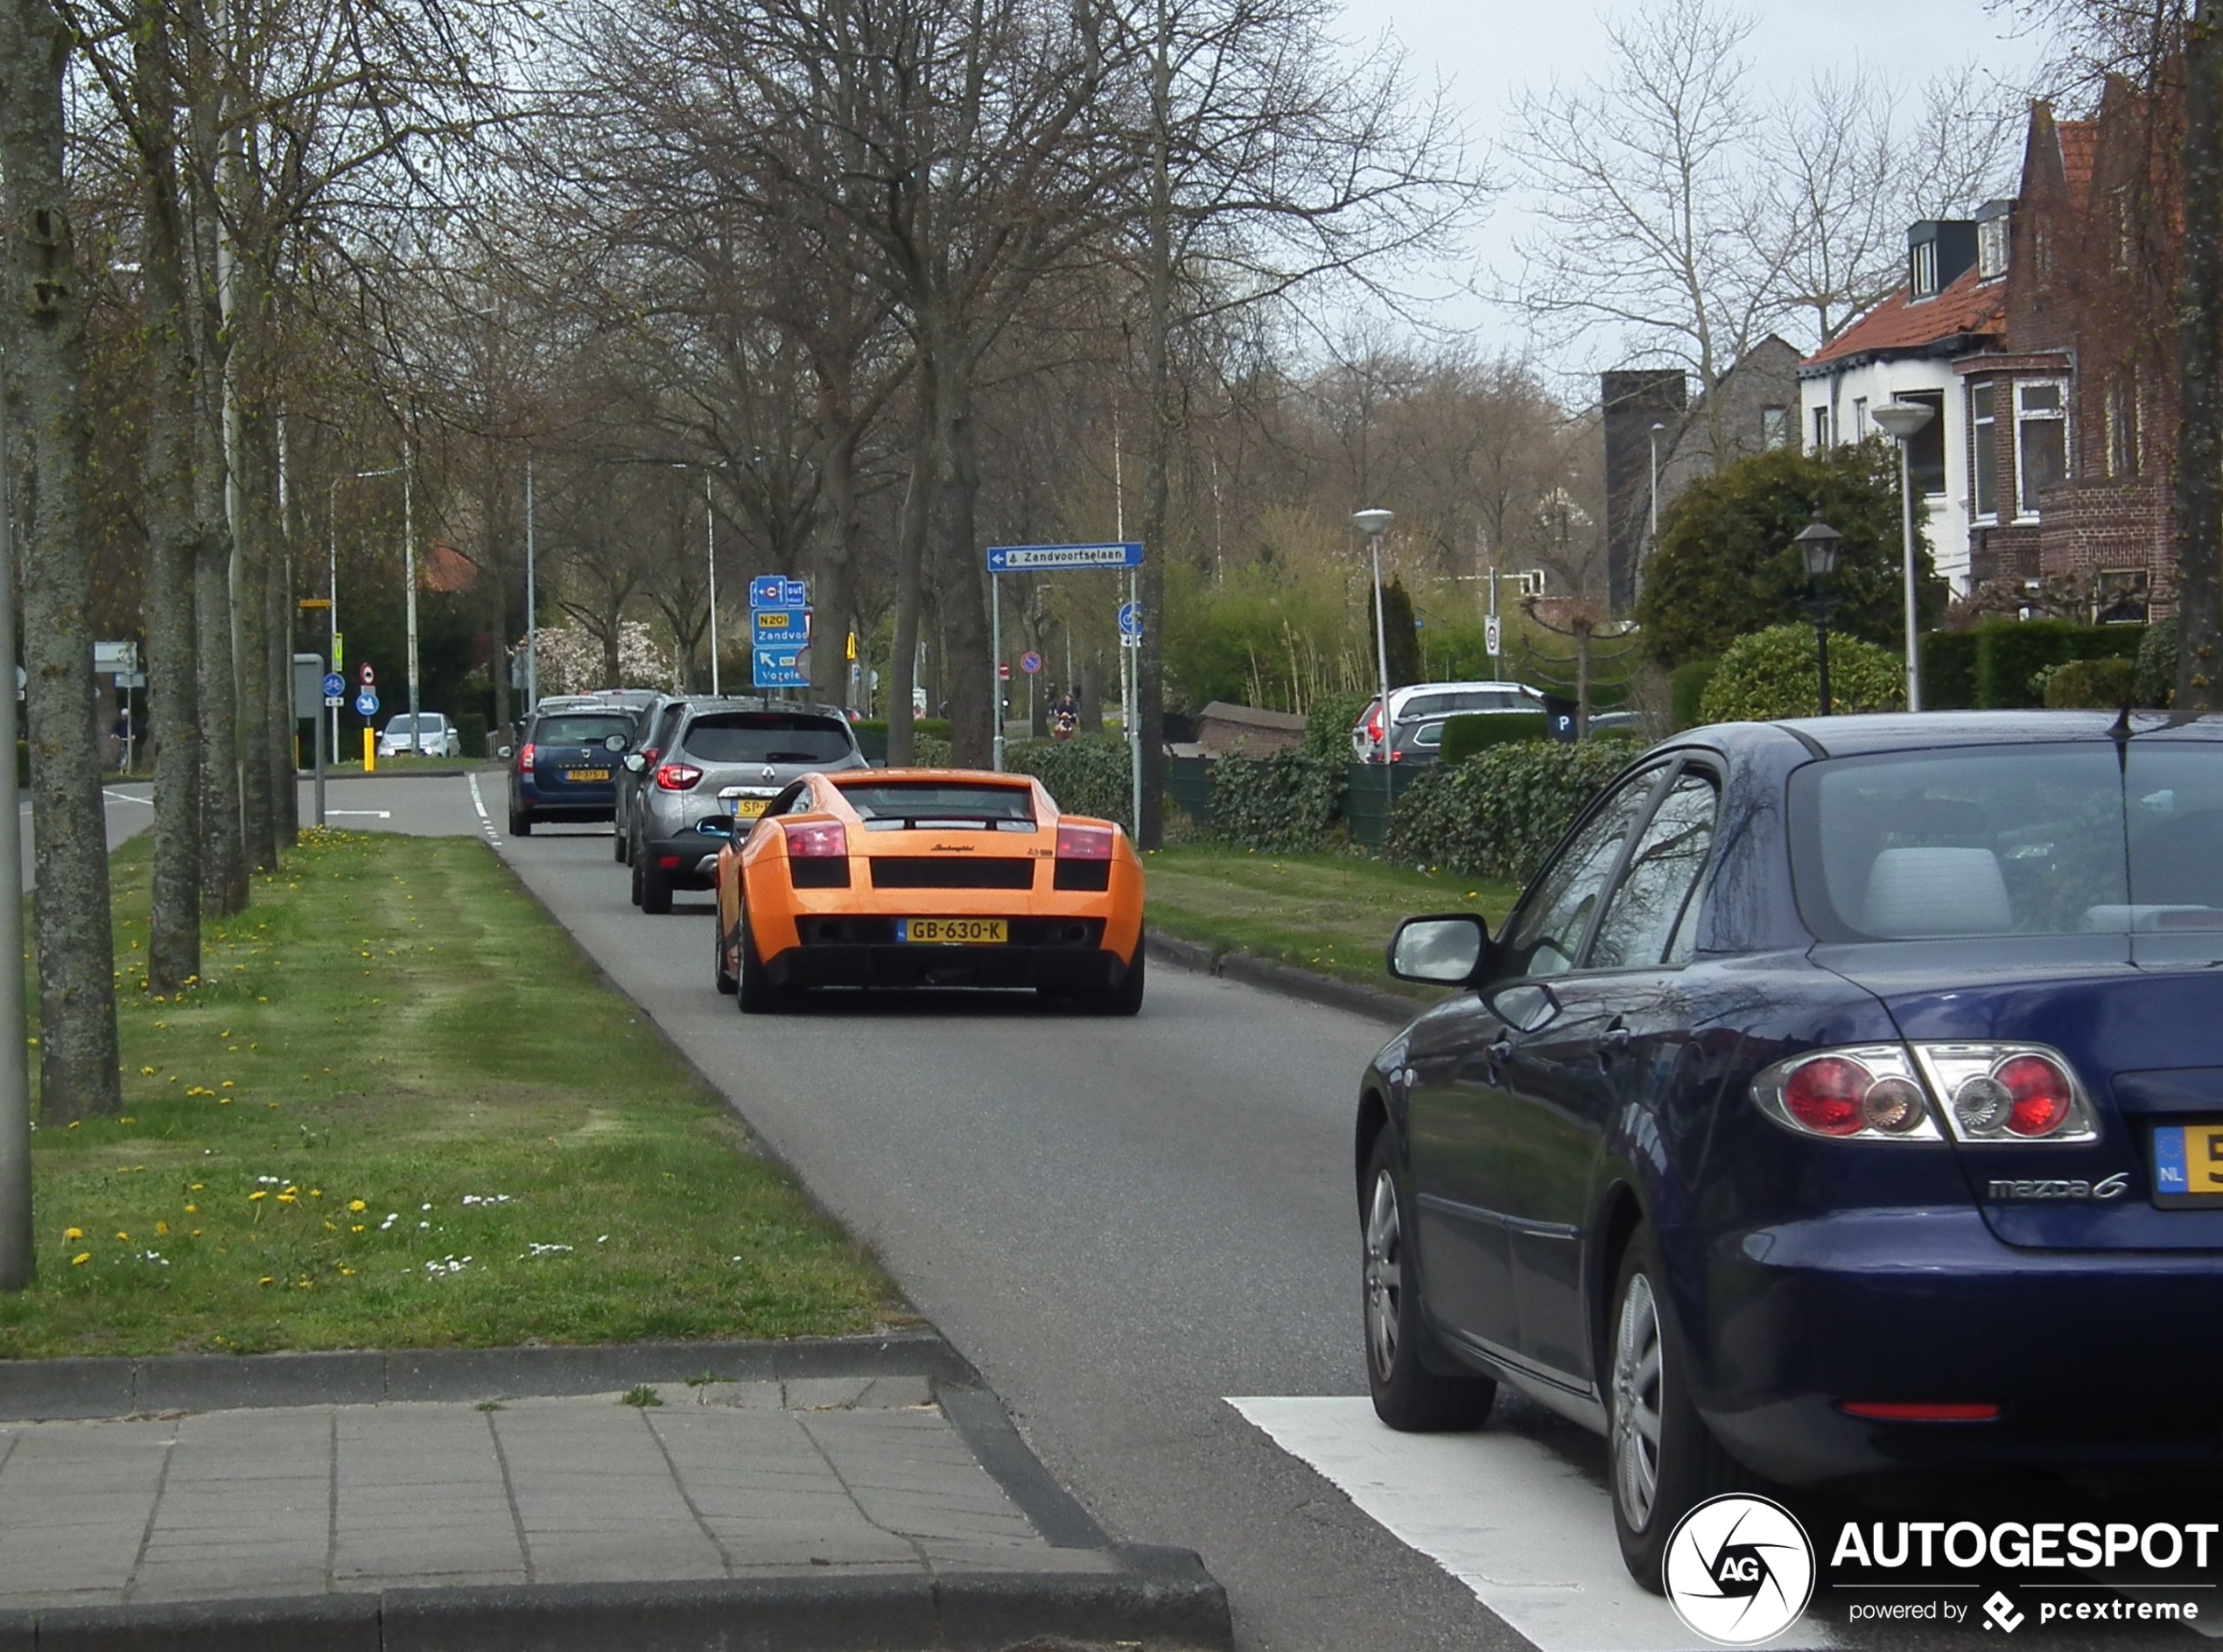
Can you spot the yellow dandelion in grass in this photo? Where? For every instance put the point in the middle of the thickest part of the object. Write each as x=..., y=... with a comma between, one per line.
x=146, y=1072
x=331, y=1227
x=229, y=1085
x=196, y=1188
x=258, y=1195
x=196, y=1233
x=74, y=1123
x=161, y=1228
x=266, y=1279
x=358, y=1227
x=73, y=1233
x=346, y=1273
x=357, y=1206
x=123, y=1238
x=127, y=1120
x=81, y=1259
x=316, y=1192
x=192, y=1210
x=288, y=1198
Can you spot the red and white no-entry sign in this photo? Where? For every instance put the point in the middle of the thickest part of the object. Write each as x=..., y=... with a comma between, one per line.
x=365, y=675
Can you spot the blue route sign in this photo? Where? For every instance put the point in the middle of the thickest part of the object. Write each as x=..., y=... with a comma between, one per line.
x=1130, y=620
x=782, y=668
x=779, y=627
x=366, y=704
x=1016, y=559
x=777, y=590
x=334, y=685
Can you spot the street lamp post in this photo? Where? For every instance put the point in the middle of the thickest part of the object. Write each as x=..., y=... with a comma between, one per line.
x=1374, y=523
x=532, y=616
x=1817, y=544
x=1902, y=421
x=710, y=535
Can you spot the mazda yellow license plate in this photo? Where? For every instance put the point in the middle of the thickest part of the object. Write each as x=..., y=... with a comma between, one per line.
x=952, y=931
x=747, y=808
x=588, y=774
x=2188, y=1163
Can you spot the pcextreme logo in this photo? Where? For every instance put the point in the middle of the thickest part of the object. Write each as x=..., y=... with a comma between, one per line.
x=1739, y=1570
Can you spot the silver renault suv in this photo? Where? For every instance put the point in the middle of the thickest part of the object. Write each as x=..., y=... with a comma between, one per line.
x=725, y=761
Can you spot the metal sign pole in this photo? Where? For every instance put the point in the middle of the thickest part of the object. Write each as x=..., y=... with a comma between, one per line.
x=1134, y=709
x=996, y=666
x=320, y=722
x=17, y=1255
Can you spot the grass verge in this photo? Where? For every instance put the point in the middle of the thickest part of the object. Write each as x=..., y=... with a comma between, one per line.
x=401, y=1110
x=1332, y=913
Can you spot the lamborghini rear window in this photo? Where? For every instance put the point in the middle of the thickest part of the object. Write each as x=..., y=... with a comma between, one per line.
x=894, y=804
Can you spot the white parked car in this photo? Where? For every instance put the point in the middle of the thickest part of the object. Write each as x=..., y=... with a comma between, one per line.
x=1432, y=703
x=434, y=737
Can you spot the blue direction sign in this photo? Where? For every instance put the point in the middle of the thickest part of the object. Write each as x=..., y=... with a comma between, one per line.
x=765, y=590
x=1014, y=559
x=366, y=704
x=1130, y=620
x=779, y=627
x=782, y=668
x=334, y=685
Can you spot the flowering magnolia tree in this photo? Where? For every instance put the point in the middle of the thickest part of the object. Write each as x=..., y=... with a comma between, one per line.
x=572, y=659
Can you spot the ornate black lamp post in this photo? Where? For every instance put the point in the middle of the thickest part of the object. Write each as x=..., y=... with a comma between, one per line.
x=1817, y=544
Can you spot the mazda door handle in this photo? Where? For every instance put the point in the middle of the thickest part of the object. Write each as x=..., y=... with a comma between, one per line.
x=1501, y=1049
x=1617, y=1038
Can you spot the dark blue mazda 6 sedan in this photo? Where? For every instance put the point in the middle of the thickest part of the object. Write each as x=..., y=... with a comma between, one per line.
x=1843, y=1097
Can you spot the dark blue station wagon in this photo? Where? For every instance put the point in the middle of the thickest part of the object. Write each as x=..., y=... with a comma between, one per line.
x=1844, y=1096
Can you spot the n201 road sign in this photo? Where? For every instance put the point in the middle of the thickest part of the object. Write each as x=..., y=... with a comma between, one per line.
x=1030, y=663
x=366, y=704
x=1014, y=559
x=779, y=627
x=334, y=685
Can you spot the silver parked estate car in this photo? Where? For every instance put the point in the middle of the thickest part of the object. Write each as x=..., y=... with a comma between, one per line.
x=723, y=760
x=434, y=736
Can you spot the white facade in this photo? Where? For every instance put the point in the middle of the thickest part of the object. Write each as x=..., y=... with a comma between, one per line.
x=1834, y=402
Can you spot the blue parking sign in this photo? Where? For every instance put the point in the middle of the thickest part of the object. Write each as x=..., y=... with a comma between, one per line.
x=767, y=590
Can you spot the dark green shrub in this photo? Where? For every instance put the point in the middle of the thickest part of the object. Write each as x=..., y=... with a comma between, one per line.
x=937, y=727
x=1686, y=689
x=1286, y=801
x=2092, y=685
x=1464, y=736
x=1088, y=776
x=1499, y=814
x=1774, y=673
x=471, y=732
x=2011, y=654
x=2157, y=664
x=1949, y=670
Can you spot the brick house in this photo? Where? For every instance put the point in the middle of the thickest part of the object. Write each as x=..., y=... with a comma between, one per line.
x=2082, y=400
x=2041, y=332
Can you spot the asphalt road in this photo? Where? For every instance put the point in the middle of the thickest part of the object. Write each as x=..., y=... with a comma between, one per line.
x=1119, y=1222
x=128, y=808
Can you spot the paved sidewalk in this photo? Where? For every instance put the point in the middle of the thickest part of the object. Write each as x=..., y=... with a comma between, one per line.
x=891, y=1508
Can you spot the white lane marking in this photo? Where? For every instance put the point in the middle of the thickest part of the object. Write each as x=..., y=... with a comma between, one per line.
x=1510, y=1518
x=486, y=823
x=363, y=814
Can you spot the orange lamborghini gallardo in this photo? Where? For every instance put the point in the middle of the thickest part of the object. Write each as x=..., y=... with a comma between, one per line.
x=926, y=877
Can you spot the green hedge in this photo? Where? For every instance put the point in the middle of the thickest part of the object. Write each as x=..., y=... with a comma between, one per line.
x=1090, y=775
x=1774, y=673
x=471, y=733
x=1687, y=691
x=1293, y=799
x=1464, y=736
x=2157, y=664
x=2011, y=654
x=2092, y=685
x=1499, y=814
x=935, y=727
x=1949, y=670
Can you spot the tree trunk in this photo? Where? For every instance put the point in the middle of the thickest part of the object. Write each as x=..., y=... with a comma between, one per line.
x=959, y=592
x=833, y=561
x=1091, y=696
x=223, y=887
x=251, y=526
x=51, y=439
x=1164, y=414
x=2199, y=342
x=910, y=564
x=173, y=722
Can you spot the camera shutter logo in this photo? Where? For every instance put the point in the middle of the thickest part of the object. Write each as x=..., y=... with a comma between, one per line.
x=1739, y=1570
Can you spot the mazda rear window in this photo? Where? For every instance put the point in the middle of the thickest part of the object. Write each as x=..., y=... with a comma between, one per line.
x=766, y=737
x=2081, y=838
x=894, y=805
x=579, y=731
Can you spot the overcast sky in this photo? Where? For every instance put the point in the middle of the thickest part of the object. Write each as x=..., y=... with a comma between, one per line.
x=1489, y=50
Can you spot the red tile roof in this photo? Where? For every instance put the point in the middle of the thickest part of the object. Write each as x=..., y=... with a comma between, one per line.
x=447, y=568
x=1896, y=325
x=2080, y=144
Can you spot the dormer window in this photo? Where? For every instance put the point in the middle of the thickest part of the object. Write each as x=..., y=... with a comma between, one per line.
x=1992, y=243
x=1923, y=278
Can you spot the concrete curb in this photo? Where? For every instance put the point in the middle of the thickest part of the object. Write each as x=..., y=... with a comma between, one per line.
x=1391, y=1008
x=53, y=1391
x=1163, y=1600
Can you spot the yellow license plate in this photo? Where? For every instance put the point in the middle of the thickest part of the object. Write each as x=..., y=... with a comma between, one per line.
x=750, y=807
x=952, y=931
x=2188, y=1162
x=588, y=774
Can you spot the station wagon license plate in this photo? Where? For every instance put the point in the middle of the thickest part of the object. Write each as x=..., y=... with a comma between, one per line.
x=588, y=774
x=952, y=931
x=2188, y=1163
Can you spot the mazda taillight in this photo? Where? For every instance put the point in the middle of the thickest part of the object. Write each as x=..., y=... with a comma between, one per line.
x=815, y=840
x=525, y=755
x=677, y=777
x=1083, y=842
x=1890, y=1092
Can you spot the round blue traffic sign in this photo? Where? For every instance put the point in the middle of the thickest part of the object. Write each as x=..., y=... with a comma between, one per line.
x=366, y=703
x=333, y=684
x=1030, y=663
x=1130, y=620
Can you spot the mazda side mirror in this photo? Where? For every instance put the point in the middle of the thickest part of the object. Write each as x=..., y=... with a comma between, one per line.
x=635, y=763
x=1440, y=952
